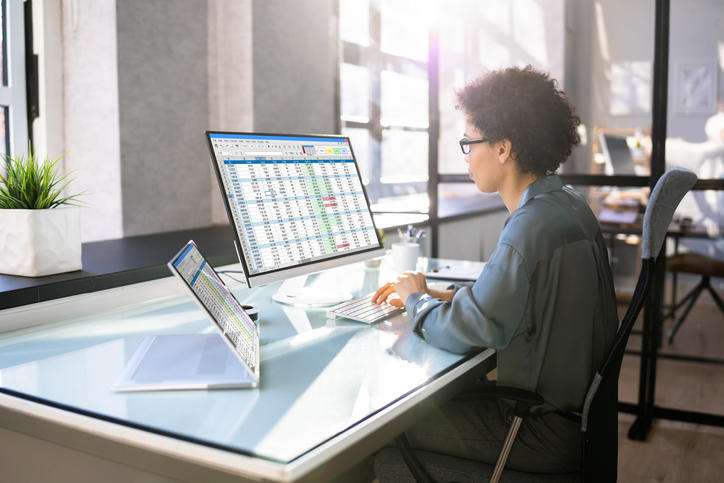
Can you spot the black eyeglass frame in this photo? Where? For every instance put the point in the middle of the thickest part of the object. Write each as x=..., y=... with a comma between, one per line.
x=467, y=142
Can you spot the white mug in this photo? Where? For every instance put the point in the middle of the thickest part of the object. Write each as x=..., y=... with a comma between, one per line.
x=404, y=256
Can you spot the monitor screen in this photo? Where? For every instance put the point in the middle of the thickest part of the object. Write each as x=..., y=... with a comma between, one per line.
x=617, y=153
x=297, y=202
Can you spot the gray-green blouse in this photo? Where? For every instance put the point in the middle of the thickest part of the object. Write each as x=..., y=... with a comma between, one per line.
x=545, y=299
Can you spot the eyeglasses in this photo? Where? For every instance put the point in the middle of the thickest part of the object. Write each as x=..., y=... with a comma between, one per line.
x=465, y=143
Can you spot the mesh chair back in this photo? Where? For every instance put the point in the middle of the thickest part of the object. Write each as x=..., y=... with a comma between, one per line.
x=600, y=417
x=664, y=199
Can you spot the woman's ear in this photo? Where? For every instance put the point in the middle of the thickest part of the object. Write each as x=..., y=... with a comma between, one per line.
x=504, y=150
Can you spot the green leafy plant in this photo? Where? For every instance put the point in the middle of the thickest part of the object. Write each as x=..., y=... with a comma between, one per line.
x=31, y=184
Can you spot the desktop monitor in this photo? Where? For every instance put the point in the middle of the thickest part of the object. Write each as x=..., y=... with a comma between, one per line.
x=296, y=202
x=617, y=153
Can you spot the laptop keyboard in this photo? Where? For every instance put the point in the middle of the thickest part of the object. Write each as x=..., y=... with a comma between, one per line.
x=364, y=310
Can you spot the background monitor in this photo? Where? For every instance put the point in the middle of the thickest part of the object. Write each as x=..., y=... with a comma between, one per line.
x=296, y=201
x=617, y=153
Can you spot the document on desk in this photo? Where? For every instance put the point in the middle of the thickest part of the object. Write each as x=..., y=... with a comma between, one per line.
x=457, y=270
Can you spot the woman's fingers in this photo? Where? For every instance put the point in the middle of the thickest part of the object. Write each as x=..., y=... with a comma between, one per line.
x=396, y=302
x=387, y=292
x=383, y=292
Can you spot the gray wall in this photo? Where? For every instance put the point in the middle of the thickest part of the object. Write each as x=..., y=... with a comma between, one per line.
x=473, y=238
x=163, y=112
x=295, y=57
x=143, y=81
x=231, y=90
x=578, y=65
x=89, y=108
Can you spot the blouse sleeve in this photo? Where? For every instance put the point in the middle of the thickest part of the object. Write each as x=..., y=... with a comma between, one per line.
x=486, y=314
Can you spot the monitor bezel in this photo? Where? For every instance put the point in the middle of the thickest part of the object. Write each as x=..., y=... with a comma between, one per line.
x=299, y=269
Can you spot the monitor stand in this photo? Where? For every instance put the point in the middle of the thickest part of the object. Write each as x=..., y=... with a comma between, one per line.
x=293, y=292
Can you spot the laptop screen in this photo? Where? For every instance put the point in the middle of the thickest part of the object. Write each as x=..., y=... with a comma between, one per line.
x=236, y=326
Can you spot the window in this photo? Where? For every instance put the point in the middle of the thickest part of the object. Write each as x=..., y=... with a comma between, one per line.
x=13, y=117
x=483, y=35
x=384, y=97
x=387, y=89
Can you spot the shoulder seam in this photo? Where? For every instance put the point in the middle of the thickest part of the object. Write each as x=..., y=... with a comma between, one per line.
x=517, y=252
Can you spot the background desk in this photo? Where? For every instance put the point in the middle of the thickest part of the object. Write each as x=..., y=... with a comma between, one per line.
x=331, y=391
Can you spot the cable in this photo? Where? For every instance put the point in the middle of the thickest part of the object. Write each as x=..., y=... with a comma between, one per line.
x=227, y=272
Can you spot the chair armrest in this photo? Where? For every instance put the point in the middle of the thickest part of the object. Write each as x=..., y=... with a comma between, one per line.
x=524, y=399
x=503, y=392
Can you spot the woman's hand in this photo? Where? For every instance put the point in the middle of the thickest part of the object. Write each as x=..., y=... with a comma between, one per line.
x=406, y=284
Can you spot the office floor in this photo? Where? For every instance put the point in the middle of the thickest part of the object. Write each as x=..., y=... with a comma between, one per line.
x=679, y=452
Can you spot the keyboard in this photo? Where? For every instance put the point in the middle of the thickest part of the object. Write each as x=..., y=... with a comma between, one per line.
x=364, y=310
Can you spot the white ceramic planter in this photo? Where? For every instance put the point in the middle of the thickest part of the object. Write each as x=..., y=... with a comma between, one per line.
x=34, y=243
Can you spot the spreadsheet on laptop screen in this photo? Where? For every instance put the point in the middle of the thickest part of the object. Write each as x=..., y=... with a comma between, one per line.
x=294, y=200
x=230, y=317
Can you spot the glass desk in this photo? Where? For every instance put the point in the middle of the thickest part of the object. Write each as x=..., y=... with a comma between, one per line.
x=331, y=390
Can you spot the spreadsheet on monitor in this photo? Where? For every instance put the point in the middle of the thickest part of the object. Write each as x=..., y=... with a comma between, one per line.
x=294, y=200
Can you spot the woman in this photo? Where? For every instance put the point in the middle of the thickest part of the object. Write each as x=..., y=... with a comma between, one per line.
x=545, y=300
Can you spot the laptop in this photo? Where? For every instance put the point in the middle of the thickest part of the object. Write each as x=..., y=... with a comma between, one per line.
x=226, y=358
x=234, y=325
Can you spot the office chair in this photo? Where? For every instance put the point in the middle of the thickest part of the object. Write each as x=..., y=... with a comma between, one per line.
x=696, y=264
x=598, y=417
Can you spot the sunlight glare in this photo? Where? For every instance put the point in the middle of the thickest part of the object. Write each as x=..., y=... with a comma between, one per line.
x=530, y=30
x=497, y=13
x=602, y=35
x=354, y=21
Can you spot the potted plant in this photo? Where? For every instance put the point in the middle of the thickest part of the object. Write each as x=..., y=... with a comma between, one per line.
x=39, y=225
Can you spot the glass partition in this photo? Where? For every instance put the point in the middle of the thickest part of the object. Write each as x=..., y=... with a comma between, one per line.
x=609, y=77
x=695, y=124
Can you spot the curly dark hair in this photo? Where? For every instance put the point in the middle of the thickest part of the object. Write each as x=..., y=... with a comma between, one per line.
x=526, y=107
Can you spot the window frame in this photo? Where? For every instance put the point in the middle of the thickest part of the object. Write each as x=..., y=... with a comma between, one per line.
x=372, y=58
x=14, y=94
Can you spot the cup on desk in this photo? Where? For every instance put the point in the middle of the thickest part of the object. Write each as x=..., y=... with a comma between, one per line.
x=404, y=256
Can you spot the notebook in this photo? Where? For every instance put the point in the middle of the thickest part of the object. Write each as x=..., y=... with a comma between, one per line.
x=227, y=359
x=457, y=270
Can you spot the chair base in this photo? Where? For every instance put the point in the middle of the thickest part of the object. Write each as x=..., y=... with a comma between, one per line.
x=691, y=298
